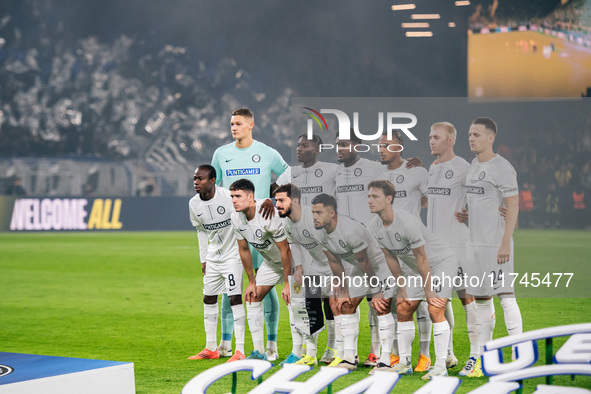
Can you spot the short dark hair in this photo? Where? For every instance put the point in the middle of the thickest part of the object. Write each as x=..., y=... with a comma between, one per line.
x=326, y=200
x=242, y=184
x=212, y=174
x=353, y=138
x=488, y=123
x=315, y=139
x=292, y=191
x=396, y=134
x=247, y=113
x=386, y=186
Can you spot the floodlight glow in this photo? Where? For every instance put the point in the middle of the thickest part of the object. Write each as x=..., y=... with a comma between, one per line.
x=419, y=34
x=425, y=16
x=401, y=7
x=415, y=25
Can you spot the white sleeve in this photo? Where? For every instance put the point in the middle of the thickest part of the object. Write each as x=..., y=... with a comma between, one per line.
x=424, y=181
x=275, y=227
x=298, y=254
x=507, y=182
x=235, y=227
x=203, y=244
x=413, y=234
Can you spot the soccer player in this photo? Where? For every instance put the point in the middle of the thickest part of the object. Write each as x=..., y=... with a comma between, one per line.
x=491, y=182
x=411, y=196
x=299, y=227
x=447, y=195
x=267, y=236
x=353, y=175
x=356, y=259
x=210, y=212
x=249, y=159
x=402, y=236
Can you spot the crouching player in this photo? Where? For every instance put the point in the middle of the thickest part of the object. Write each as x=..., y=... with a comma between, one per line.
x=210, y=212
x=427, y=261
x=268, y=238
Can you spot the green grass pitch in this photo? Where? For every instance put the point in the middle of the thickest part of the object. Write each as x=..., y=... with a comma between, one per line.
x=137, y=297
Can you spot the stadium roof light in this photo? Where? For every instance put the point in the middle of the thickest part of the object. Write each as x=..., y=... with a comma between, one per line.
x=451, y=24
x=425, y=16
x=419, y=34
x=402, y=7
x=415, y=25
x=460, y=3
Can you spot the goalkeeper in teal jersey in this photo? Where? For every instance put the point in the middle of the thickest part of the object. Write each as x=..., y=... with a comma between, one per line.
x=255, y=161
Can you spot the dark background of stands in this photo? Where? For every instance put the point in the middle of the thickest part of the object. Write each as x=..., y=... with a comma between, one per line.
x=144, y=80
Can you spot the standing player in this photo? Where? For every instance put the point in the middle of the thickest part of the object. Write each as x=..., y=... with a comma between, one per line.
x=491, y=183
x=447, y=195
x=353, y=176
x=268, y=238
x=299, y=228
x=249, y=159
x=210, y=212
x=364, y=274
x=411, y=196
x=404, y=237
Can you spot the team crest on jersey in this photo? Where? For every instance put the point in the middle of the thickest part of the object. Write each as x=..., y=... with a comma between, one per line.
x=398, y=237
x=358, y=172
x=481, y=175
x=258, y=233
x=221, y=210
x=256, y=158
x=400, y=179
x=306, y=233
x=342, y=243
x=5, y=370
x=318, y=173
x=449, y=174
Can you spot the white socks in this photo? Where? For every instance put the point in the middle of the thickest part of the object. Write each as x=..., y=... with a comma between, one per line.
x=297, y=339
x=472, y=329
x=441, y=332
x=330, y=333
x=339, y=343
x=512, y=315
x=424, y=323
x=311, y=344
x=406, y=333
x=374, y=331
x=386, y=330
x=239, y=326
x=350, y=330
x=485, y=322
x=210, y=314
x=256, y=322
x=449, y=316
x=395, y=341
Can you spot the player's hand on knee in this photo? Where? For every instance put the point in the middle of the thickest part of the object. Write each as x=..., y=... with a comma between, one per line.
x=380, y=304
x=343, y=302
x=437, y=302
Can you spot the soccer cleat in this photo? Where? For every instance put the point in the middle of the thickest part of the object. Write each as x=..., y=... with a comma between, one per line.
x=237, y=356
x=347, y=365
x=336, y=361
x=380, y=367
x=372, y=361
x=401, y=369
x=436, y=371
x=468, y=367
x=476, y=372
x=224, y=352
x=308, y=360
x=205, y=354
x=394, y=360
x=272, y=355
x=328, y=356
x=451, y=361
x=423, y=364
x=291, y=359
x=256, y=355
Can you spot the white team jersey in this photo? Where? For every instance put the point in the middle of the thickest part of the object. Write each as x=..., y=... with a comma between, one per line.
x=301, y=233
x=284, y=178
x=312, y=181
x=351, y=188
x=406, y=233
x=260, y=233
x=447, y=195
x=212, y=220
x=348, y=238
x=410, y=184
x=487, y=183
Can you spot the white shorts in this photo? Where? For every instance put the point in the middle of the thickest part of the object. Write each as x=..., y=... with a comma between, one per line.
x=460, y=252
x=223, y=278
x=269, y=274
x=486, y=277
x=441, y=281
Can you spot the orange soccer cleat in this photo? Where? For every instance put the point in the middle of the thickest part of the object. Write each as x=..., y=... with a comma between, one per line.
x=206, y=354
x=423, y=364
x=237, y=356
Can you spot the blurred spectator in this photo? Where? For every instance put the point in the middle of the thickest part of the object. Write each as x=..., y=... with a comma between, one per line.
x=552, y=207
x=579, y=206
x=563, y=176
x=526, y=206
x=16, y=189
